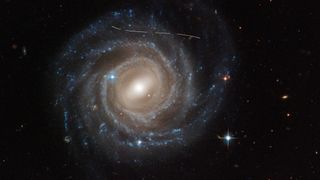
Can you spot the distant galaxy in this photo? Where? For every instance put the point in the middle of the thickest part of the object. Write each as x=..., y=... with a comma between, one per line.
x=138, y=80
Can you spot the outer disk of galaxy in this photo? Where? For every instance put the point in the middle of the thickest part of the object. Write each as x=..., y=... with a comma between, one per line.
x=136, y=82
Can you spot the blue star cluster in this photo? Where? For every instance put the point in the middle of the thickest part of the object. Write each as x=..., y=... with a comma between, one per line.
x=188, y=53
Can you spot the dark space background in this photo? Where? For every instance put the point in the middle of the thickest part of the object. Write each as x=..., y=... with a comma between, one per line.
x=278, y=43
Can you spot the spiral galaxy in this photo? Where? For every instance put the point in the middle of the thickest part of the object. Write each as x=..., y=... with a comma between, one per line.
x=140, y=80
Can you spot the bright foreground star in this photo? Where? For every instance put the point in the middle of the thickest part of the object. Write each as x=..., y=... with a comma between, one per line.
x=227, y=138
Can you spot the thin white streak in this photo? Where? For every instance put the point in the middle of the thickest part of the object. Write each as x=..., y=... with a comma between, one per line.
x=136, y=31
x=188, y=35
x=117, y=28
x=164, y=33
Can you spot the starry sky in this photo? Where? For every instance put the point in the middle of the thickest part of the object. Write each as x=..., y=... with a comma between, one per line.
x=267, y=128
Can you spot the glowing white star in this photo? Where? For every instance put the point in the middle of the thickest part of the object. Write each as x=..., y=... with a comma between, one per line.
x=112, y=76
x=227, y=138
x=139, y=142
